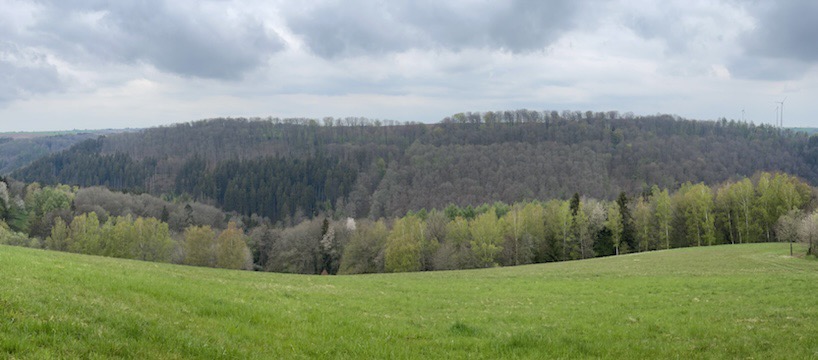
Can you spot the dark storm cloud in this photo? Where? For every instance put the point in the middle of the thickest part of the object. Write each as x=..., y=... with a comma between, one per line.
x=782, y=45
x=787, y=30
x=374, y=27
x=185, y=41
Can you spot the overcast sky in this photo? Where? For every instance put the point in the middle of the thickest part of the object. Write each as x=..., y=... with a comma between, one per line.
x=90, y=64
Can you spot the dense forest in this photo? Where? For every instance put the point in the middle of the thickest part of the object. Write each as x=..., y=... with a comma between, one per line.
x=767, y=207
x=284, y=170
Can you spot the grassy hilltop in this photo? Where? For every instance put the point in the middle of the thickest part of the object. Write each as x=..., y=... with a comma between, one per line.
x=733, y=301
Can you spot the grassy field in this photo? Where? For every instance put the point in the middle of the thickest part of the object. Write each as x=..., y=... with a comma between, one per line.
x=734, y=301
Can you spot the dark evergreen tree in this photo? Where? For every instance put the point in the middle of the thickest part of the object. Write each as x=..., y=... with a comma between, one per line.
x=574, y=204
x=628, y=230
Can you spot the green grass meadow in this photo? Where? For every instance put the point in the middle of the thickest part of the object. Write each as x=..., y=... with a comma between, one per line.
x=733, y=301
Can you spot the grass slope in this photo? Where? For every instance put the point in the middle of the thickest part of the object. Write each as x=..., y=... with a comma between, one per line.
x=735, y=301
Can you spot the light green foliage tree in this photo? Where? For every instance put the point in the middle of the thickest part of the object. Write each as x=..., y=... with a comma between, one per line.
x=456, y=250
x=436, y=223
x=14, y=211
x=153, y=240
x=10, y=237
x=86, y=235
x=231, y=250
x=533, y=230
x=558, y=228
x=596, y=213
x=702, y=213
x=556, y=224
x=724, y=212
x=764, y=204
x=777, y=195
x=581, y=237
x=364, y=252
x=60, y=239
x=643, y=221
x=40, y=201
x=663, y=213
x=200, y=246
x=695, y=204
x=118, y=237
x=403, y=246
x=141, y=239
x=532, y=216
x=517, y=245
x=486, y=238
x=743, y=198
x=614, y=225
x=4, y=199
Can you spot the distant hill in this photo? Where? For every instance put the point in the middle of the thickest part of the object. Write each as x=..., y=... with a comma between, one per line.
x=18, y=149
x=360, y=167
x=808, y=130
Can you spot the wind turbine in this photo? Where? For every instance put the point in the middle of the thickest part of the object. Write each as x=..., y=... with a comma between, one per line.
x=781, y=117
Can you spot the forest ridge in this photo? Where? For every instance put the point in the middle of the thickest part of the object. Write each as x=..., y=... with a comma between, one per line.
x=289, y=169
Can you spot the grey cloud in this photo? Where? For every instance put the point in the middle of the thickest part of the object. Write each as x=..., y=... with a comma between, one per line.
x=665, y=27
x=761, y=68
x=363, y=27
x=782, y=45
x=786, y=30
x=24, y=72
x=187, y=42
x=684, y=27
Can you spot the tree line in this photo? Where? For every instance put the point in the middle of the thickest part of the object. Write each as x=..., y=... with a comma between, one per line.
x=767, y=207
x=96, y=221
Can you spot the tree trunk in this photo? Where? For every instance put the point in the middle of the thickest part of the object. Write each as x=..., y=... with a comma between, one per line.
x=564, y=241
x=706, y=223
x=746, y=223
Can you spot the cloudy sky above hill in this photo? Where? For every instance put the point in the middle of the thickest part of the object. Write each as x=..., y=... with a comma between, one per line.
x=88, y=64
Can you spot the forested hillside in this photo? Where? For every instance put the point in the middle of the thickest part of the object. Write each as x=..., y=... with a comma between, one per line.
x=16, y=153
x=357, y=167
